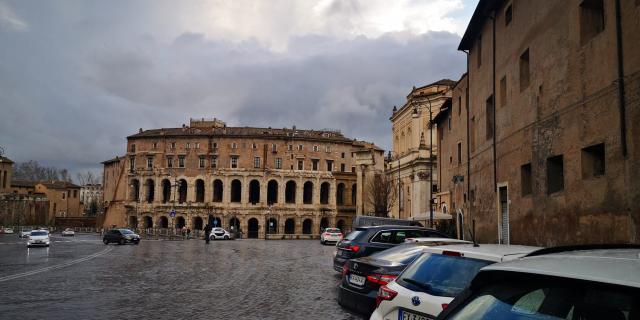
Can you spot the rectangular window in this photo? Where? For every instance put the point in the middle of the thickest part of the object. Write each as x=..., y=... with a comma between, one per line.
x=155, y=145
x=188, y=145
x=215, y=145
x=315, y=148
x=75, y=193
x=555, y=174
x=254, y=146
x=479, y=53
x=133, y=148
x=459, y=106
x=278, y=163
x=274, y=147
x=472, y=135
x=197, y=144
x=256, y=162
x=524, y=70
x=329, y=165
x=132, y=163
x=300, y=147
x=525, y=179
x=173, y=145
x=342, y=167
x=169, y=162
x=593, y=162
x=290, y=147
x=490, y=112
x=342, y=155
x=503, y=91
x=181, y=161
x=300, y=165
x=64, y=195
x=213, y=162
x=149, y=162
x=314, y=164
x=508, y=15
x=449, y=122
x=591, y=19
x=234, y=162
x=201, y=163
x=353, y=169
x=459, y=152
x=234, y=146
x=327, y=149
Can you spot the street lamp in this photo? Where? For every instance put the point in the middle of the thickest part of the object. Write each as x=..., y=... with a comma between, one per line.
x=430, y=163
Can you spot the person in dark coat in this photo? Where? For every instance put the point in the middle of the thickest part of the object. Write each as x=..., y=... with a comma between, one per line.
x=207, y=233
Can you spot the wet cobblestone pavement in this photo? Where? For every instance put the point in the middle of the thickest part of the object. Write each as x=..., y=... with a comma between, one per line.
x=80, y=278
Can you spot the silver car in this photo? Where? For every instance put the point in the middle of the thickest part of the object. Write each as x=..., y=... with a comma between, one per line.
x=220, y=234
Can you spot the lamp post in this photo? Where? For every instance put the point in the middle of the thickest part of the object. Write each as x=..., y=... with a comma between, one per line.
x=399, y=186
x=430, y=163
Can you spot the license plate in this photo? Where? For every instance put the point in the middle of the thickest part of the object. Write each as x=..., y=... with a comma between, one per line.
x=342, y=253
x=357, y=280
x=404, y=315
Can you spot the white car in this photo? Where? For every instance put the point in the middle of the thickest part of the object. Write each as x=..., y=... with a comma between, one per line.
x=8, y=230
x=331, y=235
x=68, y=232
x=220, y=234
x=24, y=233
x=38, y=238
x=429, y=284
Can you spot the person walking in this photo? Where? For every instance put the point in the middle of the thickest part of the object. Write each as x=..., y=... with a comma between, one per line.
x=207, y=233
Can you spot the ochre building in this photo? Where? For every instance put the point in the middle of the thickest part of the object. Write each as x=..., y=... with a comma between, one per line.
x=260, y=181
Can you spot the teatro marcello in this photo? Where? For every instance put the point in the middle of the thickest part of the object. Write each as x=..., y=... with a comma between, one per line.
x=264, y=182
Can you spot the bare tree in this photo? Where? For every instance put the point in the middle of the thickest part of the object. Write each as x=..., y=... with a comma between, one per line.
x=86, y=178
x=33, y=171
x=381, y=194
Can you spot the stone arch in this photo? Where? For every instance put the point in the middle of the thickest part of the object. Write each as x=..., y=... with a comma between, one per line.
x=197, y=223
x=218, y=190
x=307, y=225
x=236, y=190
x=234, y=224
x=214, y=222
x=340, y=225
x=166, y=190
x=272, y=192
x=307, y=193
x=150, y=189
x=180, y=222
x=253, y=227
x=135, y=190
x=324, y=192
x=133, y=222
x=163, y=222
x=182, y=190
x=324, y=223
x=272, y=226
x=290, y=226
x=254, y=191
x=340, y=194
x=147, y=222
x=199, y=190
x=290, y=192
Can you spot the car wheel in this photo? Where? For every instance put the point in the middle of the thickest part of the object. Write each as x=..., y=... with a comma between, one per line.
x=136, y=242
x=226, y=237
x=121, y=241
x=105, y=241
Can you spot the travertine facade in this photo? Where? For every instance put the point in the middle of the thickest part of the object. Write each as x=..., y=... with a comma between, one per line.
x=6, y=171
x=295, y=181
x=552, y=122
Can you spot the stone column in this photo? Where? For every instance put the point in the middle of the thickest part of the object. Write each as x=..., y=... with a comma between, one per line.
x=264, y=181
x=244, y=196
x=226, y=189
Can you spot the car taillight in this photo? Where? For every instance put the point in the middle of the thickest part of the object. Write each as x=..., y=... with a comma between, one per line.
x=452, y=253
x=385, y=294
x=354, y=248
x=345, y=269
x=444, y=306
x=381, y=279
x=325, y=234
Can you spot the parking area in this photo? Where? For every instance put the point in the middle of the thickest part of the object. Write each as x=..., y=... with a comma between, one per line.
x=79, y=277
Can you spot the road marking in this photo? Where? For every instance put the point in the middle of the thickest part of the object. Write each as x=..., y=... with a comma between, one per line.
x=55, y=267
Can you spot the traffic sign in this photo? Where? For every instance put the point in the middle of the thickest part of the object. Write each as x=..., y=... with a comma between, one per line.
x=215, y=223
x=172, y=213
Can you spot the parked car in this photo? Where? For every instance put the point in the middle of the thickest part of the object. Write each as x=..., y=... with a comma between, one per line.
x=363, y=221
x=68, y=232
x=38, y=238
x=362, y=277
x=220, y=234
x=430, y=282
x=330, y=235
x=8, y=230
x=364, y=241
x=578, y=282
x=24, y=233
x=120, y=236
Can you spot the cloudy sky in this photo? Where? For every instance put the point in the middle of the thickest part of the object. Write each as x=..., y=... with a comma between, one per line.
x=77, y=77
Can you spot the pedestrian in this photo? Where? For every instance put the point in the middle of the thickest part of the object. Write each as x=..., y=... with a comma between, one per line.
x=207, y=233
x=188, y=233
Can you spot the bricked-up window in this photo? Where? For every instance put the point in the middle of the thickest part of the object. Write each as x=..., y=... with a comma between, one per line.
x=508, y=15
x=300, y=165
x=201, y=162
x=591, y=19
x=593, y=162
x=490, y=111
x=274, y=147
x=149, y=162
x=524, y=70
x=459, y=152
x=314, y=164
x=525, y=179
x=234, y=162
x=256, y=162
x=329, y=165
x=197, y=145
x=342, y=167
x=234, y=146
x=278, y=163
x=479, y=50
x=503, y=91
x=188, y=145
x=213, y=162
x=169, y=162
x=327, y=149
x=555, y=174
x=132, y=163
x=181, y=161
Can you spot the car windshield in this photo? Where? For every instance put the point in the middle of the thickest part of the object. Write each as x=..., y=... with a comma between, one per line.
x=402, y=254
x=39, y=233
x=550, y=299
x=330, y=230
x=440, y=275
x=126, y=231
x=354, y=234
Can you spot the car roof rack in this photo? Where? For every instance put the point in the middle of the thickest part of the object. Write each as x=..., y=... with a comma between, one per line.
x=581, y=247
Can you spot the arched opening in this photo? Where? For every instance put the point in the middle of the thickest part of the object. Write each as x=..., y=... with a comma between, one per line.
x=197, y=223
x=324, y=193
x=182, y=190
x=180, y=222
x=234, y=225
x=236, y=191
x=135, y=190
x=254, y=226
x=254, y=191
x=307, y=192
x=150, y=189
x=217, y=190
x=354, y=193
x=148, y=222
x=290, y=226
x=133, y=222
x=324, y=223
x=340, y=194
x=272, y=226
x=199, y=190
x=290, y=192
x=340, y=225
x=215, y=222
x=163, y=222
x=272, y=192
x=166, y=191
x=307, y=224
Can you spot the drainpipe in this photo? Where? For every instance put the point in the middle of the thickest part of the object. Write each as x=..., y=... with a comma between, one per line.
x=468, y=141
x=493, y=101
x=621, y=93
